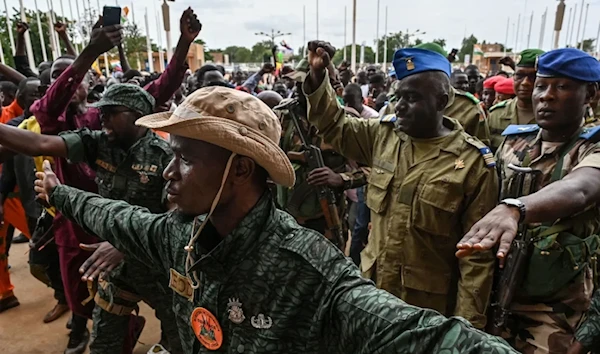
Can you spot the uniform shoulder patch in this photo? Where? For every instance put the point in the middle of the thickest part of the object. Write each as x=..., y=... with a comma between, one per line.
x=471, y=97
x=499, y=105
x=514, y=129
x=591, y=132
x=389, y=118
x=485, y=151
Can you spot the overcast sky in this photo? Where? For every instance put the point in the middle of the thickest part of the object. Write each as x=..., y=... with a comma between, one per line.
x=234, y=22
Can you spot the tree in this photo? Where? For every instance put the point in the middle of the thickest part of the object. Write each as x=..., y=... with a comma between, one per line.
x=467, y=46
x=238, y=54
x=33, y=34
x=133, y=44
x=396, y=41
x=261, y=50
x=369, y=55
x=441, y=42
x=588, y=45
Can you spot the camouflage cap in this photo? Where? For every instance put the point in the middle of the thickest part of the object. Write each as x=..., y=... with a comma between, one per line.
x=300, y=72
x=528, y=57
x=127, y=95
x=434, y=47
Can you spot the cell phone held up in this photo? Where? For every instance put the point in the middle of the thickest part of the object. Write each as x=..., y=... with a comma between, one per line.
x=111, y=15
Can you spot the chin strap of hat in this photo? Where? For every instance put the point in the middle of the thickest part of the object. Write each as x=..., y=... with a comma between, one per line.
x=189, y=261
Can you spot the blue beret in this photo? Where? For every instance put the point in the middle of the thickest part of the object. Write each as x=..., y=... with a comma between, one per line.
x=410, y=61
x=569, y=62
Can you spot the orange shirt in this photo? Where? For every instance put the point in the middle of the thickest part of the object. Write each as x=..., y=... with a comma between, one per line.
x=11, y=111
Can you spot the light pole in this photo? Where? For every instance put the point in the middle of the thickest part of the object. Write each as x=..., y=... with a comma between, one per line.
x=273, y=35
x=167, y=26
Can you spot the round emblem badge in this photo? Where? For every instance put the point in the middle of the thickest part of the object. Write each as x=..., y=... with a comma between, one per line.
x=207, y=328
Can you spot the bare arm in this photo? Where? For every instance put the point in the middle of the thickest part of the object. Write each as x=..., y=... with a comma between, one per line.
x=11, y=74
x=61, y=29
x=123, y=58
x=30, y=143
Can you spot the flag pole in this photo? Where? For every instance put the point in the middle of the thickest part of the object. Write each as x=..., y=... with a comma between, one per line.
x=27, y=38
x=9, y=26
x=148, y=44
x=40, y=32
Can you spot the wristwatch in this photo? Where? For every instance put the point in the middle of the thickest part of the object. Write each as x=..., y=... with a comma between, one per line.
x=516, y=204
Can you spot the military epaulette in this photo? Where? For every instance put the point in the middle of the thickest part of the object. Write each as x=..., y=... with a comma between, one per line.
x=589, y=133
x=485, y=151
x=469, y=96
x=514, y=129
x=499, y=105
x=389, y=118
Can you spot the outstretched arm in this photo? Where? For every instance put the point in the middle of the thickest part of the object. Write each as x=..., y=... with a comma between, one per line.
x=30, y=143
x=61, y=29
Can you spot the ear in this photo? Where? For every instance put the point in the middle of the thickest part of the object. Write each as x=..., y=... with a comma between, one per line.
x=591, y=90
x=242, y=170
x=442, y=102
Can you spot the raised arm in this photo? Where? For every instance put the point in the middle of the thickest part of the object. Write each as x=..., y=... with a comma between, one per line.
x=123, y=59
x=20, y=57
x=163, y=88
x=11, y=74
x=50, y=109
x=350, y=136
x=61, y=29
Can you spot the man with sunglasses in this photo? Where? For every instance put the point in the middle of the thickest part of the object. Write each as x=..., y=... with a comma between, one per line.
x=128, y=161
x=518, y=110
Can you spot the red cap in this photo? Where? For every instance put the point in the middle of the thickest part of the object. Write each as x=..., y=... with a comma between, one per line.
x=505, y=87
x=489, y=83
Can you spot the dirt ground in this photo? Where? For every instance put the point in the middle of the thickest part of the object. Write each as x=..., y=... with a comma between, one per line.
x=22, y=330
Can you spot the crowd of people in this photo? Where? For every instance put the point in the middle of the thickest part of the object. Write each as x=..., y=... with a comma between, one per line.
x=309, y=208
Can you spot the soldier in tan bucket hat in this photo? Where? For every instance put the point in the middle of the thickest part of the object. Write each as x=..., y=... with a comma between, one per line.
x=249, y=278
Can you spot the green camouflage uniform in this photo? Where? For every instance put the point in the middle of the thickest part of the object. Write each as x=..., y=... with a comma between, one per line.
x=463, y=107
x=501, y=116
x=293, y=290
x=588, y=333
x=547, y=323
x=134, y=176
x=419, y=209
x=302, y=200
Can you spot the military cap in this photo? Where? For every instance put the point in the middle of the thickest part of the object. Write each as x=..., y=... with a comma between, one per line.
x=529, y=56
x=410, y=61
x=300, y=72
x=131, y=96
x=505, y=86
x=233, y=120
x=569, y=62
x=490, y=82
x=434, y=47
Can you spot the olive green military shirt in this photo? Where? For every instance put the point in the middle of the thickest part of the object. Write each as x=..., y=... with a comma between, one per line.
x=298, y=293
x=588, y=332
x=500, y=117
x=134, y=175
x=419, y=211
x=465, y=108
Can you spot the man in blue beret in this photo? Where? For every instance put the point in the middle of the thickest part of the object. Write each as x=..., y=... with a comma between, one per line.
x=558, y=210
x=430, y=182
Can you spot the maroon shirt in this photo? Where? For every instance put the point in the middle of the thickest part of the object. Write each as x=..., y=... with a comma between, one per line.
x=51, y=113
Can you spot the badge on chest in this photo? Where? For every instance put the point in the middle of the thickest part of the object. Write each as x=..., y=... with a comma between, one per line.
x=181, y=284
x=207, y=328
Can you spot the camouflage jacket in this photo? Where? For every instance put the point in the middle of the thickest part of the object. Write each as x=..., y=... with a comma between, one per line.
x=523, y=146
x=588, y=332
x=302, y=200
x=134, y=175
x=293, y=291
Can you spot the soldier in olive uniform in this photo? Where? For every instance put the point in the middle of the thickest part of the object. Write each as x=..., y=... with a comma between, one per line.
x=518, y=110
x=302, y=200
x=247, y=277
x=128, y=161
x=462, y=106
x=430, y=182
x=562, y=213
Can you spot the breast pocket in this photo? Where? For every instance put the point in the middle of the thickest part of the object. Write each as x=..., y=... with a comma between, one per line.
x=377, y=190
x=435, y=210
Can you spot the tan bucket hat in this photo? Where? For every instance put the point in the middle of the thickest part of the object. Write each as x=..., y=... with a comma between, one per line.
x=233, y=120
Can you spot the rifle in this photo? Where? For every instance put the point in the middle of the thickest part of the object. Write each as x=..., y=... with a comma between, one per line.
x=311, y=155
x=516, y=260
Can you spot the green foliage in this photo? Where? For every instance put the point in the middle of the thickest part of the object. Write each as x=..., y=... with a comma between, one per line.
x=588, y=45
x=396, y=41
x=369, y=55
x=467, y=46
